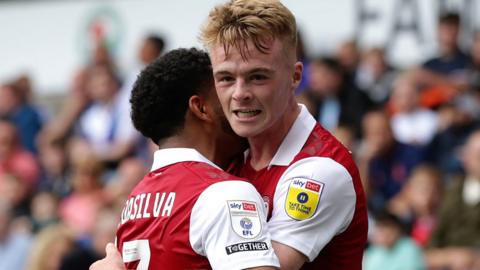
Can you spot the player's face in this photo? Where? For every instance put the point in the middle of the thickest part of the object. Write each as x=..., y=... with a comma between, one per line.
x=255, y=92
x=224, y=131
x=220, y=118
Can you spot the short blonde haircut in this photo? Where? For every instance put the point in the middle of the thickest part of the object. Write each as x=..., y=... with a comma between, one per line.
x=238, y=21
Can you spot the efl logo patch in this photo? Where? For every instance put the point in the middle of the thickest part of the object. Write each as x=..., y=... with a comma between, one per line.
x=302, y=198
x=244, y=218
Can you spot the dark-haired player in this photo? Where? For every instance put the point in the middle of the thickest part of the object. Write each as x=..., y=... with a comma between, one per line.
x=187, y=213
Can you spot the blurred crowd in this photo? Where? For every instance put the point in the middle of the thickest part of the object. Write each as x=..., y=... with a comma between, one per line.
x=414, y=133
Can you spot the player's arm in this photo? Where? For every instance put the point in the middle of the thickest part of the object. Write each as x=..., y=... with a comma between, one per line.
x=228, y=226
x=289, y=258
x=314, y=201
x=112, y=261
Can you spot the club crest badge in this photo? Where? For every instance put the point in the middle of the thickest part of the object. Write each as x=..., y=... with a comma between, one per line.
x=244, y=218
x=302, y=198
x=266, y=202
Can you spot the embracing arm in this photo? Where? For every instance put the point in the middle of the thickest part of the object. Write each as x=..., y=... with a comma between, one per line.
x=228, y=226
x=112, y=261
x=290, y=258
x=314, y=201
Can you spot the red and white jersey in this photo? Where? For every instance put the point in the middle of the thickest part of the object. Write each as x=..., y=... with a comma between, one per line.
x=314, y=197
x=189, y=214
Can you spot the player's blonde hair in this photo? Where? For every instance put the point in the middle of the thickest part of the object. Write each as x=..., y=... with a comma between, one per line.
x=238, y=21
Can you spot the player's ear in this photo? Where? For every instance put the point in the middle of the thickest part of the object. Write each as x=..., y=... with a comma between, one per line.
x=297, y=75
x=198, y=106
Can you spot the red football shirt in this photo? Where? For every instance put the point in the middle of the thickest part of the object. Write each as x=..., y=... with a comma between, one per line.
x=314, y=196
x=189, y=214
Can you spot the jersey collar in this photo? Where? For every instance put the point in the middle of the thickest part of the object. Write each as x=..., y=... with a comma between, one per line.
x=169, y=156
x=296, y=138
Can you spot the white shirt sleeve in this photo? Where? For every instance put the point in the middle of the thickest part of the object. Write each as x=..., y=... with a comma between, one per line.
x=314, y=201
x=228, y=226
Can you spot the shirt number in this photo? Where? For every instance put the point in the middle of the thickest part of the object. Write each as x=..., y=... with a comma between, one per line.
x=137, y=250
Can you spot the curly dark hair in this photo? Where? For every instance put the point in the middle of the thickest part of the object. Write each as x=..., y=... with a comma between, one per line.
x=160, y=95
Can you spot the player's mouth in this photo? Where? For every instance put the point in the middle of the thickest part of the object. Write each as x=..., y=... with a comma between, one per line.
x=245, y=114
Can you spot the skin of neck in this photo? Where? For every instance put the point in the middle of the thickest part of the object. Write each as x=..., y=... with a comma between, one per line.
x=204, y=137
x=447, y=52
x=264, y=146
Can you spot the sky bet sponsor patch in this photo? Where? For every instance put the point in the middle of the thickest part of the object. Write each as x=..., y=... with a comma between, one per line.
x=244, y=218
x=302, y=198
x=247, y=246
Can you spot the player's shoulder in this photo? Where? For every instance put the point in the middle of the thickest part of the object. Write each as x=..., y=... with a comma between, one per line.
x=320, y=168
x=231, y=194
x=322, y=143
x=193, y=176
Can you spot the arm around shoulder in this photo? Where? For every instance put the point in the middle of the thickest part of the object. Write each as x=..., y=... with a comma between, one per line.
x=228, y=226
x=314, y=201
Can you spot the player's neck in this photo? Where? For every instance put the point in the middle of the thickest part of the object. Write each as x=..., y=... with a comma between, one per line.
x=185, y=139
x=220, y=148
x=177, y=141
x=203, y=142
x=264, y=146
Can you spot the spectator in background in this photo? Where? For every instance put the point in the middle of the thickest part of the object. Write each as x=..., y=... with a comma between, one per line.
x=79, y=209
x=411, y=124
x=348, y=56
x=55, y=169
x=24, y=86
x=55, y=138
x=474, y=76
x=16, y=193
x=451, y=61
x=50, y=247
x=77, y=100
x=43, y=211
x=101, y=56
x=417, y=204
x=101, y=127
x=82, y=255
x=15, y=107
x=330, y=100
x=322, y=97
x=384, y=163
x=456, y=240
x=375, y=77
x=302, y=57
x=390, y=248
x=19, y=171
x=14, y=245
x=151, y=48
x=457, y=122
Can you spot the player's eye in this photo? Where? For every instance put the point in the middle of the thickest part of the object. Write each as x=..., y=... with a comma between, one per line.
x=225, y=79
x=258, y=77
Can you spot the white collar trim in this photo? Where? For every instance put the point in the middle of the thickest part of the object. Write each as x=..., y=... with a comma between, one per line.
x=296, y=138
x=169, y=156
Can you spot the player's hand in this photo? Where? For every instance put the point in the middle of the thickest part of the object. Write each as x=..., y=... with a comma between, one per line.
x=112, y=261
